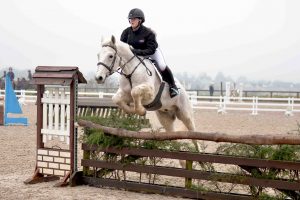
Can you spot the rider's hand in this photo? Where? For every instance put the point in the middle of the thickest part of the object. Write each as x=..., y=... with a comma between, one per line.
x=131, y=48
x=136, y=51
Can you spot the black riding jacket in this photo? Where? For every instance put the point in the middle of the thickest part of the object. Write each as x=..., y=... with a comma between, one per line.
x=142, y=40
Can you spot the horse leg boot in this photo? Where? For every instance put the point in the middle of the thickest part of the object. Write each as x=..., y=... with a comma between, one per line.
x=168, y=77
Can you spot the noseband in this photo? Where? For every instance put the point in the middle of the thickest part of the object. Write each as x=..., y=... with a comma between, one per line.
x=109, y=68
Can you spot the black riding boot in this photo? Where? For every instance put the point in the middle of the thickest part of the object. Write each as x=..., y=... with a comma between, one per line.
x=168, y=77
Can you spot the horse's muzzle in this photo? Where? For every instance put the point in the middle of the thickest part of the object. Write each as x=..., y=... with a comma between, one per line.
x=100, y=79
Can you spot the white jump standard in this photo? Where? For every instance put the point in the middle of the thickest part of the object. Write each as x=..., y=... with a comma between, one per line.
x=55, y=118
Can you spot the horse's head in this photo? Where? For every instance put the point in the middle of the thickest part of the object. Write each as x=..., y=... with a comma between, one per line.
x=107, y=57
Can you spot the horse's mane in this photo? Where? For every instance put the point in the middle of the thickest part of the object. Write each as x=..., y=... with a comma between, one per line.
x=123, y=48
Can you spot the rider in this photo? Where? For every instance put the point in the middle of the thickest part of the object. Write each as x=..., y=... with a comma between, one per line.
x=143, y=41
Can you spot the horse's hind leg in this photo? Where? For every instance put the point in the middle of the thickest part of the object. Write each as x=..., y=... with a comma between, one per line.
x=166, y=119
x=186, y=116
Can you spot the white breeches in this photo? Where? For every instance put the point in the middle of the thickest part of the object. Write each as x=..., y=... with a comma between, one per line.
x=159, y=58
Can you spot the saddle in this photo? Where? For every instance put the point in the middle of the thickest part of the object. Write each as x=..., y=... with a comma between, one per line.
x=157, y=70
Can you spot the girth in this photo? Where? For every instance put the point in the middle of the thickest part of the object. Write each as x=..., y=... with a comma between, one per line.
x=156, y=103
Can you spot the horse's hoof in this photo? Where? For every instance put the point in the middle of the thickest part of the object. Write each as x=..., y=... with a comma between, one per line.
x=182, y=163
x=142, y=113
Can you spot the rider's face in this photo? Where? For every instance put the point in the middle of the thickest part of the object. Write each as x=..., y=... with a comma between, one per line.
x=134, y=22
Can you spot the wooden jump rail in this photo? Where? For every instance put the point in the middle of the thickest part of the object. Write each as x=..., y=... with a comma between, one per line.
x=91, y=166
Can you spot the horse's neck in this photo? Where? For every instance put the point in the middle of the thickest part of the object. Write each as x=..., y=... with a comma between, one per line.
x=139, y=68
x=129, y=62
x=130, y=65
x=140, y=73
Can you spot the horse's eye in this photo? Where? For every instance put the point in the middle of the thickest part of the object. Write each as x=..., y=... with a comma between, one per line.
x=111, y=56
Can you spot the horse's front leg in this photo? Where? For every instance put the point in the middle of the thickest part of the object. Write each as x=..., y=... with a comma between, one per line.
x=139, y=94
x=122, y=99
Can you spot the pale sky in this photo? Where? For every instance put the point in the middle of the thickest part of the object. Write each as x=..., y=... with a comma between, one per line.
x=258, y=39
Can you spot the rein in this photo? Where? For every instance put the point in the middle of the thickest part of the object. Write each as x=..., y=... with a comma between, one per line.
x=128, y=76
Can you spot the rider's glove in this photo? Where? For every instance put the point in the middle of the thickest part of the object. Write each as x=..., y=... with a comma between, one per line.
x=136, y=51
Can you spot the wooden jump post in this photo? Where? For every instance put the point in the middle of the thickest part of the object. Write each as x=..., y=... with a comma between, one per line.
x=56, y=113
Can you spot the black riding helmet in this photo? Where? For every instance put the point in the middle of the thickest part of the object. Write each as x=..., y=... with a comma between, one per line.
x=136, y=13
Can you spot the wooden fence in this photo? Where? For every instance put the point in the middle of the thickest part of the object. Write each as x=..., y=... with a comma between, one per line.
x=129, y=167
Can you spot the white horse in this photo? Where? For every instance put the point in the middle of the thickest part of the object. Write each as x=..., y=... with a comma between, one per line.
x=139, y=84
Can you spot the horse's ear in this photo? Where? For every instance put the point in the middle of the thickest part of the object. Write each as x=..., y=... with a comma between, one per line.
x=102, y=38
x=113, y=39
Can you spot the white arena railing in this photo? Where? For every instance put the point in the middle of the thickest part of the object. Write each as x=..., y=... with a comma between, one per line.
x=221, y=104
x=288, y=105
x=23, y=95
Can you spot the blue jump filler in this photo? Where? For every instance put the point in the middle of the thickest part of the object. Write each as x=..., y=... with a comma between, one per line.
x=12, y=106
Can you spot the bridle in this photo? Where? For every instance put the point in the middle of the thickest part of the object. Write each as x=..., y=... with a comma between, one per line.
x=128, y=76
x=110, y=68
